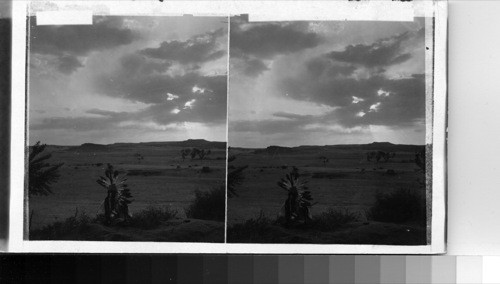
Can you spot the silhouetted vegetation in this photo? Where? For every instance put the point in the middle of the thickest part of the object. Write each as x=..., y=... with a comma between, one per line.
x=234, y=177
x=118, y=195
x=333, y=219
x=266, y=230
x=64, y=230
x=151, y=217
x=380, y=156
x=210, y=205
x=139, y=157
x=299, y=200
x=399, y=207
x=253, y=230
x=41, y=174
x=195, y=152
x=77, y=226
x=420, y=159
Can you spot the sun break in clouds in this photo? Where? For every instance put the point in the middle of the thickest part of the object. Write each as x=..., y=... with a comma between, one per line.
x=128, y=79
x=323, y=83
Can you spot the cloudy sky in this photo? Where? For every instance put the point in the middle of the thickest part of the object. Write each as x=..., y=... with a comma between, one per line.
x=324, y=83
x=128, y=79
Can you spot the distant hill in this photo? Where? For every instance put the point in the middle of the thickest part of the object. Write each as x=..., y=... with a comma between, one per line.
x=375, y=146
x=195, y=143
x=382, y=146
x=274, y=150
x=190, y=143
x=90, y=147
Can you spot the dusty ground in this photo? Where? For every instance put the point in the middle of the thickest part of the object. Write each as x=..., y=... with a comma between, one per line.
x=155, y=180
x=347, y=180
x=176, y=230
x=353, y=233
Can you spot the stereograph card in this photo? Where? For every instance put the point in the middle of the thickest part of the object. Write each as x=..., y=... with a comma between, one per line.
x=229, y=127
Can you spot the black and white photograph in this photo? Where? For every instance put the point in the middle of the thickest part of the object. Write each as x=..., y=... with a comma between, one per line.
x=327, y=133
x=127, y=129
x=228, y=127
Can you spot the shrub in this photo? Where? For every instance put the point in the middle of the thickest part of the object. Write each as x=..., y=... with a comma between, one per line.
x=209, y=205
x=151, y=217
x=258, y=229
x=399, y=207
x=333, y=219
x=206, y=170
x=75, y=224
x=76, y=227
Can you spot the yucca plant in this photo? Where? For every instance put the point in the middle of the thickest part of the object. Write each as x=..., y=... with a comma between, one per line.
x=299, y=200
x=118, y=197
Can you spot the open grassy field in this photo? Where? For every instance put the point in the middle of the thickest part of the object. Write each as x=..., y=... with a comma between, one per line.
x=339, y=177
x=162, y=178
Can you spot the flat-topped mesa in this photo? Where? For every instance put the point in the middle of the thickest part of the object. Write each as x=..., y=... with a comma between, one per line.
x=190, y=143
x=92, y=147
x=275, y=149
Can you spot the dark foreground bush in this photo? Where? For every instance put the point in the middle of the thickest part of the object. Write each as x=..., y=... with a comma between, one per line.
x=209, y=205
x=252, y=230
x=266, y=230
x=399, y=207
x=73, y=225
x=76, y=227
x=333, y=219
x=151, y=217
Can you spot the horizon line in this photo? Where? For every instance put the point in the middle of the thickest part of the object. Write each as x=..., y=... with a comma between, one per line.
x=166, y=141
x=169, y=141
x=316, y=145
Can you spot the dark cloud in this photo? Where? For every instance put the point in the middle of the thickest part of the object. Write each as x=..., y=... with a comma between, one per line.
x=68, y=43
x=136, y=64
x=153, y=88
x=198, y=49
x=189, y=96
x=106, y=113
x=79, y=40
x=293, y=125
x=268, y=126
x=330, y=80
x=293, y=116
x=141, y=79
x=75, y=123
x=207, y=110
x=268, y=40
x=404, y=105
x=253, y=43
x=68, y=64
x=253, y=67
x=384, y=52
x=322, y=66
